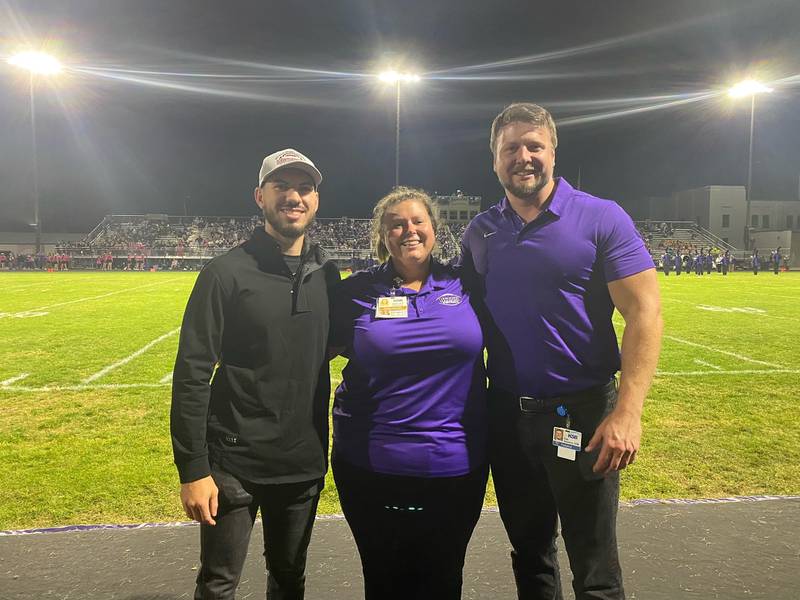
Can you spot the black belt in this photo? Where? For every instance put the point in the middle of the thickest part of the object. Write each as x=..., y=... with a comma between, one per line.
x=530, y=404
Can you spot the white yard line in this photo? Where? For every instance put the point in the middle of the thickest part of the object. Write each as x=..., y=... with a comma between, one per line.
x=130, y=357
x=766, y=314
x=125, y=291
x=718, y=351
x=707, y=364
x=166, y=378
x=782, y=318
x=735, y=372
x=72, y=388
x=11, y=380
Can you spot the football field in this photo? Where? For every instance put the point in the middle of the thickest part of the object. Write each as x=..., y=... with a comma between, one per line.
x=86, y=361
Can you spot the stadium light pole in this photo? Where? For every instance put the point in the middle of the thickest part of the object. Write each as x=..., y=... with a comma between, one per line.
x=36, y=63
x=751, y=88
x=397, y=79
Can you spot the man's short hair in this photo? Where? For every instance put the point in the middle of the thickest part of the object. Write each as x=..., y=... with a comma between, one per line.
x=523, y=112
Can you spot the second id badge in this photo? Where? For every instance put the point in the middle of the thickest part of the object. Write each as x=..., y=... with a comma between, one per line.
x=568, y=442
x=391, y=307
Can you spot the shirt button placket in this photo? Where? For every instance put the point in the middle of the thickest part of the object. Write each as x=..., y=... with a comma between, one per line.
x=417, y=305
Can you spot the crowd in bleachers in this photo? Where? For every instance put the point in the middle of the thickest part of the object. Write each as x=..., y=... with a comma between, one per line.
x=177, y=243
x=141, y=242
x=157, y=237
x=207, y=236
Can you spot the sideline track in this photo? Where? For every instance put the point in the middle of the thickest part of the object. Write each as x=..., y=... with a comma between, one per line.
x=722, y=548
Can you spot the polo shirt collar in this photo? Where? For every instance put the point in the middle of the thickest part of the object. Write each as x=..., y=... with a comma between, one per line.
x=435, y=280
x=561, y=194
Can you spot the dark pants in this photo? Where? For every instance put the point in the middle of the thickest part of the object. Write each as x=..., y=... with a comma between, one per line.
x=287, y=514
x=535, y=488
x=411, y=532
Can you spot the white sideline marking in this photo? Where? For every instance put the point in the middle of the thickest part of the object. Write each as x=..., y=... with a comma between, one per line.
x=736, y=372
x=79, y=387
x=32, y=312
x=8, y=382
x=717, y=350
x=733, y=309
x=166, y=378
x=130, y=357
x=706, y=364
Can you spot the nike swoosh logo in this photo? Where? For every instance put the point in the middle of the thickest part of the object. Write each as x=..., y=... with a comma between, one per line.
x=488, y=234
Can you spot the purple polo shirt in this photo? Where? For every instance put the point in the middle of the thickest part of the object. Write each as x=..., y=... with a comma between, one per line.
x=412, y=400
x=550, y=330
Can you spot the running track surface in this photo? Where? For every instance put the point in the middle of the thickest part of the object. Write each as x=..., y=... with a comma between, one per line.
x=729, y=550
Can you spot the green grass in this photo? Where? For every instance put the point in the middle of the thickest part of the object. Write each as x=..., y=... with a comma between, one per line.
x=100, y=453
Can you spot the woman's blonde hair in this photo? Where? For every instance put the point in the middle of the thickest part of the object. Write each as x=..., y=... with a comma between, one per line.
x=396, y=196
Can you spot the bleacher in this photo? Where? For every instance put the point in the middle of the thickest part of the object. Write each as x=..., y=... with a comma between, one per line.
x=685, y=237
x=188, y=242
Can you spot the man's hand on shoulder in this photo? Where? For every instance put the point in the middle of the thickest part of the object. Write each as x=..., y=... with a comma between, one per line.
x=618, y=437
x=200, y=500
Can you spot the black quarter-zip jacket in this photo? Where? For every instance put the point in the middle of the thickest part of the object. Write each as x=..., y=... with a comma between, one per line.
x=263, y=414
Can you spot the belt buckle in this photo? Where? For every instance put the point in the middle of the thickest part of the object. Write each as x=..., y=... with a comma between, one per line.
x=539, y=403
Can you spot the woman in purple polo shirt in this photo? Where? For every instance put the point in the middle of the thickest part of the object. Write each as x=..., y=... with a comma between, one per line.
x=409, y=426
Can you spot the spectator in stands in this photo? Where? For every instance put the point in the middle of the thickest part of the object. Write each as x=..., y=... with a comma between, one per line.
x=409, y=455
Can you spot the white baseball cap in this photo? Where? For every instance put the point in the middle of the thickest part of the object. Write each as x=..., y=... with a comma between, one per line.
x=288, y=158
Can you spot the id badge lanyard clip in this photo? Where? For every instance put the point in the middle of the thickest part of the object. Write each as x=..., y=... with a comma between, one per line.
x=396, y=283
x=562, y=411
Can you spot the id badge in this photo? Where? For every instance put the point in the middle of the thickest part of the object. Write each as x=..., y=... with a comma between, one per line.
x=567, y=442
x=391, y=307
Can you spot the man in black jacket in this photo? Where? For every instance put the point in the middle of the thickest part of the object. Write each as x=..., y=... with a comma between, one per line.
x=251, y=387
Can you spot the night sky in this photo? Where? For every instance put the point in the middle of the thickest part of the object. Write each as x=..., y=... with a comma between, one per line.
x=174, y=103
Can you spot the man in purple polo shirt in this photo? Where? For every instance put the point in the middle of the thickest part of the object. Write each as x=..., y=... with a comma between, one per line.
x=552, y=263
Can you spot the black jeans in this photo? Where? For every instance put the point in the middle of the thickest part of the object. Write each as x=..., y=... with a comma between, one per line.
x=534, y=488
x=411, y=532
x=287, y=514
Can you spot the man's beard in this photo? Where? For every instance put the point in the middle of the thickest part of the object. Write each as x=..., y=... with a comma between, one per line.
x=524, y=191
x=290, y=231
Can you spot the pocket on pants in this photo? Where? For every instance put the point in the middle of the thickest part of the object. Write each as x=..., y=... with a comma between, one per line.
x=585, y=418
x=232, y=492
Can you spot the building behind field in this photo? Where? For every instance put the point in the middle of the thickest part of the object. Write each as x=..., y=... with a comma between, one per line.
x=722, y=210
x=456, y=209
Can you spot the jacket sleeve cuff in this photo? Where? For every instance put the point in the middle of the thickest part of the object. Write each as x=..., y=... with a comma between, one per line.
x=193, y=470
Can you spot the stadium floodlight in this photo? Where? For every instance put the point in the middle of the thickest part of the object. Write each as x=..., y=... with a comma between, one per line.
x=749, y=87
x=397, y=78
x=38, y=63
